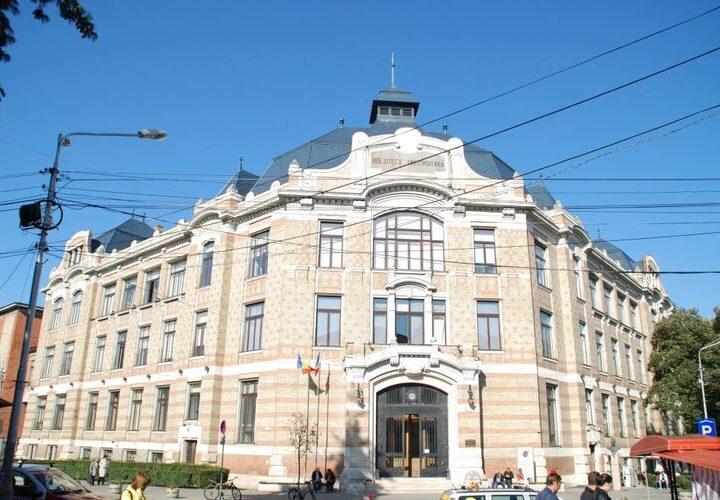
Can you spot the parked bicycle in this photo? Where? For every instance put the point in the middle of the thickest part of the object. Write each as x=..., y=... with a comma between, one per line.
x=221, y=490
x=301, y=492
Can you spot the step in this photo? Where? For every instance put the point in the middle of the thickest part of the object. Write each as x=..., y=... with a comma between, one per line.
x=412, y=484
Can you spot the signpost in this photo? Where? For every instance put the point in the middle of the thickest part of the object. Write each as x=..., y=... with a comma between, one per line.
x=706, y=427
x=223, y=429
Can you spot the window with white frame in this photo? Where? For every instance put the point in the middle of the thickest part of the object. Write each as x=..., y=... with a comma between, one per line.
x=633, y=315
x=40, y=413
x=629, y=372
x=85, y=453
x=546, y=334
x=112, y=410
x=108, y=300
x=199, y=333
x=607, y=416
x=380, y=320
x=552, y=414
x=59, y=413
x=621, y=417
x=162, y=400
x=130, y=455
x=136, y=399
x=75, y=305
x=620, y=298
x=156, y=457
x=254, y=315
x=409, y=321
x=31, y=451
x=246, y=411
x=408, y=241
x=635, y=418
x=488, y=325
x=607, y=298
x=484, y=247
x=51, y=452
x=48, y=364
x=151, y=289
x=141, y=354
x=578, y=277
x=594, y=292
x=641, y=366
x=438, y=320
x=99, y=353
x=258, y=255
x=91, y=415
x=208, y=252
x=66, y=364
x=120, y=344
x=600, y=351
x=615, y=356
x=176, y=278
x=541, y=272
x=589, y=407
x=331, y=244
x=192, y=407
x=583, y=341
x=168, y=341
x=56, y=313
x=128, y=294
x=327, y=320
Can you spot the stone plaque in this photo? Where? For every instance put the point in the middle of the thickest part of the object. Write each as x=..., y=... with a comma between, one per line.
x=417, y=162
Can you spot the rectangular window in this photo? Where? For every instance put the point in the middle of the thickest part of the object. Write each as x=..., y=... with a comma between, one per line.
x=331, y=244
x=488, y=325
x=152, y=286
x=408, y=241
x=99, y=354
x=49, y=358
x=128, y=296
x=438, y=320
x=31, y=451
x=546, y=333
x=162, y=396
x=199, y=334
x=56, y=314
x=106, y=452
x=607, y=417
x=246, y=411
x=40, y=413
x=620, y=307
x=66, y=364
x=629, y=372
x=578, y=277
x=156, y=457
x=176, y=278
x=379, y=320
x=635, y=418
x=254, y=314
x=108, y=300
x=208, y=252
x=59, y=413
x=607, y=298
x=484, y=240
x=594, y=293
x=258, y=264
x=136, y=398
x=85, y=453
x=582, y=333
x=621, y=417
x=168, y=341
x=130, y=455
x=112, y=410
x=589, y=407
x=552, y=410
x=541, y=272
x=614, y=356
x=120, y=342
x=141, y=355
x=409, y=321
x=192, y=408
x=641, y=366
x=633, y=315
x=600, y=351
x=75, y=308
x=91, y=411
x=327, y=320
x=52, y=452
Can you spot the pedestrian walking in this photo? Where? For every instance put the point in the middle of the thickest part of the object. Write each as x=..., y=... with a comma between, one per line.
x=552, y=486
x=316, y=479
x=103, y=469
x=136, y=490
x=589, y=491
x=93, y=471
x=604, y=483
x=329, y=480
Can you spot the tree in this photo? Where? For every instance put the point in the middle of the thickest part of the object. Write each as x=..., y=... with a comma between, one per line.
x=70, y=10
x=673, y=362
x=303, y=437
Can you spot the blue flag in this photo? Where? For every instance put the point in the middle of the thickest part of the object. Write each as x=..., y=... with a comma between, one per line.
x=299, y=362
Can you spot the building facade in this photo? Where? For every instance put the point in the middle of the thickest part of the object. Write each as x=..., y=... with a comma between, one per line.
x=460, y=318
x=13, y=318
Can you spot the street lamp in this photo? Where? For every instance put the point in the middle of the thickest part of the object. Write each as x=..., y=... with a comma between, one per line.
x=702, y=379
x=44, y=223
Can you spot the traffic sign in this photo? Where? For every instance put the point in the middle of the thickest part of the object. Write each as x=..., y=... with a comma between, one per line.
x=223, y=427
x=706, y=427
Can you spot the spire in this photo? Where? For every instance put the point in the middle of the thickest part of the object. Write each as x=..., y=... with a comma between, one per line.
x=392, y=70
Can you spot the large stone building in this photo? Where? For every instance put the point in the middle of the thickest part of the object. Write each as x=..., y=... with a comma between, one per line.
x=463, y=319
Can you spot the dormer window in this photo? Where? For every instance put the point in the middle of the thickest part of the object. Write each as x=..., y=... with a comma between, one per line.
x=384, y=110
x=407, y=112
x=72, y=257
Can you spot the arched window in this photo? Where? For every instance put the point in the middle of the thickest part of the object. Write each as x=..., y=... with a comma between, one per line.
x=207, y=263
x=56, y=313
x=408, y=241
x=75, y=307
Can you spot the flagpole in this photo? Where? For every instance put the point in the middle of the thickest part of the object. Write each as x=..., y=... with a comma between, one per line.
x=317, y=414
x=327, y=415
x=307, y=420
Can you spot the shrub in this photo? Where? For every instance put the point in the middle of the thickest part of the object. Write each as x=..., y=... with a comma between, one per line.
x=177, y=474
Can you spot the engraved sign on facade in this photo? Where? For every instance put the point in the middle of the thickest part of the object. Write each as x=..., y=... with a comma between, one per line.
x=417, y=162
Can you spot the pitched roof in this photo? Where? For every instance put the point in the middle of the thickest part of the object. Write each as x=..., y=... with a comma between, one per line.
x=540, y=195
x=242, y=180
x=614, y=252
x=123, y=235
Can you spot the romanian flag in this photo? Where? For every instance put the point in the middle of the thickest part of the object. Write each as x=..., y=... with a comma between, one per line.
x=306, y=368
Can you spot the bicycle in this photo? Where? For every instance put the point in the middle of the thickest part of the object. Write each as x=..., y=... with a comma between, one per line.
x=300, y=492
x=223, y=489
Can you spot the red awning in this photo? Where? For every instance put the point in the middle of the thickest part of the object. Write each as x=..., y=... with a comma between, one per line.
x=703, y=451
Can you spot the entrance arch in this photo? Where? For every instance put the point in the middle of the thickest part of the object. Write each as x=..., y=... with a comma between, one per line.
x=412, y=431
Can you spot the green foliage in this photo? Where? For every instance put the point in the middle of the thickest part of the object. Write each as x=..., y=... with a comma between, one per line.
x=179, y=475
x=673, y=362
x=684, y=482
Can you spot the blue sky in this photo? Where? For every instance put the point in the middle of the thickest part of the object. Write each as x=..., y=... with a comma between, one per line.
x=254, y=79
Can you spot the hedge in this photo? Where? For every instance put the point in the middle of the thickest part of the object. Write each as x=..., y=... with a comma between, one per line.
x=684, y=482
x=180, y=475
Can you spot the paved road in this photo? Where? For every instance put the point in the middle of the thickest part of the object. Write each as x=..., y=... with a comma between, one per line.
x=155, y=493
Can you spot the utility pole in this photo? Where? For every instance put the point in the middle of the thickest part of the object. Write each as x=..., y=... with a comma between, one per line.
x=45, y=225
x=702, y=378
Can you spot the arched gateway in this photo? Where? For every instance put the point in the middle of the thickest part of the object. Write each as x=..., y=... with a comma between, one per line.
x=412, y=431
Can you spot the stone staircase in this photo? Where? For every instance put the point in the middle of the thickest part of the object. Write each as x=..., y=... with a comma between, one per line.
x=412, y=485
